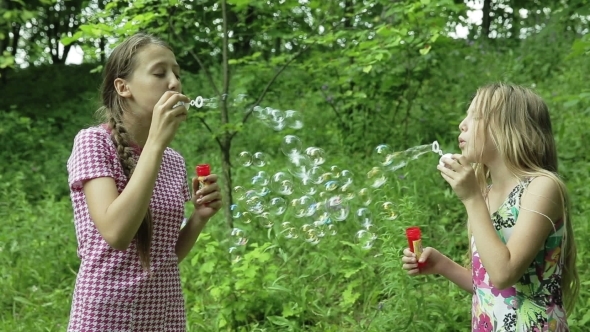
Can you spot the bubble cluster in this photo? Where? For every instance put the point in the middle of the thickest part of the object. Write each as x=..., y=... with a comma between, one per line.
x=277, y=119
x=310, y=199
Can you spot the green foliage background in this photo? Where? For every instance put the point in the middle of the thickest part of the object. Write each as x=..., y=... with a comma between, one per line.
x=353, y=97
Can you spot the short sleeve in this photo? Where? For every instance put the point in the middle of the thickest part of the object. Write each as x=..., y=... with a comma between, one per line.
x=90, y=158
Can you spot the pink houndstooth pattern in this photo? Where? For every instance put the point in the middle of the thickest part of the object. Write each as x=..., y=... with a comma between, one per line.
x=112, y=292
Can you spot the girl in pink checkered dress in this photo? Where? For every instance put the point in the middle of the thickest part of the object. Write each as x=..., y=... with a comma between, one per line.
x=128, y=191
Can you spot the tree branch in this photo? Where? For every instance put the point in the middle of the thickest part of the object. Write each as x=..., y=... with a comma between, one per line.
x=210, y=130
x=331, y=103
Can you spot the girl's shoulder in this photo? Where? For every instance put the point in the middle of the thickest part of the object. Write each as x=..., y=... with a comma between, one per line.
x=540, y=182
x=94, y=134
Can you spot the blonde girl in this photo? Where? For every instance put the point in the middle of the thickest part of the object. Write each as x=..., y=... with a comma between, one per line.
x=522, y=273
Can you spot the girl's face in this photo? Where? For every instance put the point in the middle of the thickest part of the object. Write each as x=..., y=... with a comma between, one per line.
x=156, y=71
x=473, y=135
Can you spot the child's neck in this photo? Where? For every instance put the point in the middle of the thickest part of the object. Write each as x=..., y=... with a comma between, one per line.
x=137, y=129
x=502, y=179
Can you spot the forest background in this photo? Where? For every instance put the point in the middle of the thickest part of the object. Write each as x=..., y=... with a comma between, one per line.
x=344, y=77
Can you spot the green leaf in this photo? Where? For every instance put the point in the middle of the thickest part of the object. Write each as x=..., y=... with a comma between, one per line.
x=288, y=310
x=278, y=320
x=208, y=267
x=425, y=50
x=571, y=103
x=239, y=4
x=367, y=69
x=22, y=300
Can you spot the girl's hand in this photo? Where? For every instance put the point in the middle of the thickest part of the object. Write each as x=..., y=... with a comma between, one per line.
x=166, y=118
x=207, y=200
x=432, y=257
x=460, y=175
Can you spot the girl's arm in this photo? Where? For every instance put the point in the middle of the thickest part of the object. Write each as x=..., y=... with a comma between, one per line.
x=188, y=236
x=118, y=216
x=506, y=263
x=456, y=273
x=207, y=202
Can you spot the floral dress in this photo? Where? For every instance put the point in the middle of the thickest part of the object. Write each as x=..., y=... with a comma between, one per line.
x=534, y=303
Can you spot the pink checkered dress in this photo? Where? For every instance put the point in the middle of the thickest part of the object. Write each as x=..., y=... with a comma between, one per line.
x=112, y=292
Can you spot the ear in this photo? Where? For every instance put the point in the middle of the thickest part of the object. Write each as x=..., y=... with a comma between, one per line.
x=122, y=88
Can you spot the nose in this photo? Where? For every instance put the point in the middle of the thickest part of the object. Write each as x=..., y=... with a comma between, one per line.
x=174, y=83
x=463, y=126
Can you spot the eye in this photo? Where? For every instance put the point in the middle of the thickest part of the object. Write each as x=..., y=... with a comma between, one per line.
x=159, y=75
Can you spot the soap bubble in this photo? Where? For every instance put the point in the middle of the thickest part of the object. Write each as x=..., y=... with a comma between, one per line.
x=288, y=230
x=335, y=170
x=245, y=217
x=364, y=196
x=277, y=120
x=316, y=155
x=387, y=211
x=238, y=237
x=282, y=183
x=300, y=162
x=311, y=236
x=345, y=177
x=255, y=204
x=235, y=210
x=265, y=220
x=307, y=185
x=245, y=158
x=383, y=154
x=211, y=103
x=417, y=151
x=293, y=119
x=365, y=239
x=260, y=183
x=304, y=206
x=337, y=207
x=239, y=100
x=364, y=217
x=398, y=160
x=259, y=159
x=291, y=144
x=278, y=206
x=377, y=177
x=331, y=185
x=259, y=113
x=240, y=193
x=236, y=253
x=238, y=241
x=348, y=192
x=322, y=218
x=316, y=175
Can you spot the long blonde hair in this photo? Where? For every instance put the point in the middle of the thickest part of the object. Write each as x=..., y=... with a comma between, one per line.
x=518, y=122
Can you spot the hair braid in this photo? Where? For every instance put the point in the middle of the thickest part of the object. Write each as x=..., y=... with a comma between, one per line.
x=121, y=140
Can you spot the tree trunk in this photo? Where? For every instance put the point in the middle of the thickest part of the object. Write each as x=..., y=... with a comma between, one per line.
x=227, y=180
x=486, y=21
x=226, y=137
